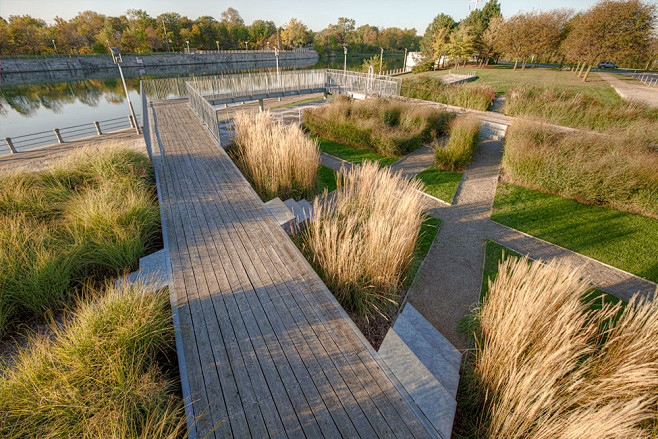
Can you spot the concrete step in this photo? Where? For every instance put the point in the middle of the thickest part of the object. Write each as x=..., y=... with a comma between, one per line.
x=436, y=353
x=153, y=268
x=493, y=130
x=282, y=214
x=302, y=210
x=307, y=209
x=432, y=398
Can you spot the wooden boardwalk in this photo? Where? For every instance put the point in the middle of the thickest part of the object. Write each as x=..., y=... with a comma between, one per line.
x=268, y=352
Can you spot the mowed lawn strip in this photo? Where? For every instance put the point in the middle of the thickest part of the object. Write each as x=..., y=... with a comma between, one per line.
x=353, y=154
x=426, y=237
x=623, y=240
x=326, y=179
x=441, y=184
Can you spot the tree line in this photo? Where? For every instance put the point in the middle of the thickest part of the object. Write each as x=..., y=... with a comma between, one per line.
x=137, y=32
x=623, y=31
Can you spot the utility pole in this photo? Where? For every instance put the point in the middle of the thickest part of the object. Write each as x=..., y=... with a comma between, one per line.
x=165, y=35
x=55, y=46
x=345, y=63
x=404, y=69
x=381, y=59
x=116, y=57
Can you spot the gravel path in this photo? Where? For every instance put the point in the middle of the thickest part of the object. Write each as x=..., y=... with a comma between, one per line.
x=631, y=90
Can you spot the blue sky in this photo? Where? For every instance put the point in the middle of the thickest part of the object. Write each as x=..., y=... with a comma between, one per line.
x=315, y=14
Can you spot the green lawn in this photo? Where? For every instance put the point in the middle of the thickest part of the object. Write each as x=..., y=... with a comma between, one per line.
x=303, y=101
x=427, y=234
x=441, y=184
x=326, y=179
x=353, y=154
x=623, y=240
x=502, y=78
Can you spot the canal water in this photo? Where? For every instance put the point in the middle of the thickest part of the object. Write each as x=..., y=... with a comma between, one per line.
x=36, y=107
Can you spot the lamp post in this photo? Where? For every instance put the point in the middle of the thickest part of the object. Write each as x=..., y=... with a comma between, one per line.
x=116, y=57
x=55, y=46
x=188, y=46
x=245, y=46
x=268, y=45
x=404, y=69
x=217, y=42
x=381, y=59
x=345, y=62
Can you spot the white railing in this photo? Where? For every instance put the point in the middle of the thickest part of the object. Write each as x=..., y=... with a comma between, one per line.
x=649, y=79
x=204, y=110
x=369, y=84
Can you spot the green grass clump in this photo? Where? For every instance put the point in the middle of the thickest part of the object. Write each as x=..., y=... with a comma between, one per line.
x=440, y=184
x=92, y=215
x=352, y=154
x=390, y=128
x=582, y=110
x=623, y=240
x=428, y=88
x=100, y=373
x=612, y=171
x=457, y=152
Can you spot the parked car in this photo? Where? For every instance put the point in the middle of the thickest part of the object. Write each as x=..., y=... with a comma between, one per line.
x=607, y=65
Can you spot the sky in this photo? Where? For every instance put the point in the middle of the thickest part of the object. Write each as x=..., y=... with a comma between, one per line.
x=314, y=13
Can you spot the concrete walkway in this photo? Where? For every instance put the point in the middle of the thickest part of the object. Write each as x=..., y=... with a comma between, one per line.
x=632, y=90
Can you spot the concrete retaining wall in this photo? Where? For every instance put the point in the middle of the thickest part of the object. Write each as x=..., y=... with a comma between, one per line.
x=23, y=71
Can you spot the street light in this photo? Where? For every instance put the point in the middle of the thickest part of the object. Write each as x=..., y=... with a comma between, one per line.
x=188, y=46
x=404, y=69
x=217, y=45
x=245, y=46
x=55, y=45
x=345, y=62
x=268, y=45
x=116, y=57
x=276, y=53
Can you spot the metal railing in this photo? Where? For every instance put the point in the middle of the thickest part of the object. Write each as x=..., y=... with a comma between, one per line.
x=368, y=84
x=648, y=79
x=395, y=72
x=61, y=135
x=204, y=110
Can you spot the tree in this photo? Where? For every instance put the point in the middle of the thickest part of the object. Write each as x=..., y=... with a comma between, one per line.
x=260, y=31
x=295, y=34
x=478, y=22
x=546, y=31
x=612, y=30
x=27, y=35
x=461, y=44
x=441, y=25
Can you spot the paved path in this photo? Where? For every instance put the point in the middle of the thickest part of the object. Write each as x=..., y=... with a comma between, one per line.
x=265, y=349
x=416, y=162
x=632, y=90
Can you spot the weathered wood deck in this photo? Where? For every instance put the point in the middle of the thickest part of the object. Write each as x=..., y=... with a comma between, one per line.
x=268, y=352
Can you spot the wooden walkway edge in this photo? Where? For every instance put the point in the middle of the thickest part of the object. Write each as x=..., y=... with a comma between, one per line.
x=264, y=348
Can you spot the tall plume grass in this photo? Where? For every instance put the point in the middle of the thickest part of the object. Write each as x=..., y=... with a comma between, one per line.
x=475, y=96
x=279, y=160
x=362, y=240
x=91, y=215
x=457, y=152
x=99, y=374
x=614, y=170
x=553, y=366
x=387, y=126
x=580, y=110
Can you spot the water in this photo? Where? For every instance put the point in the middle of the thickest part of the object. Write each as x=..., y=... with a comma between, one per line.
x=36, y=107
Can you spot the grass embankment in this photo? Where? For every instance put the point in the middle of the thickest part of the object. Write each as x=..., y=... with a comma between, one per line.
x=458, y=151
x=550, y=364
x=93, y=215
x=430, y=88
x=389, y=128
x=362, y=244
x=102, y=373
x=353, y=154
x=623, y=240
x=278, y=160
x=583, y=110
x=613, y=171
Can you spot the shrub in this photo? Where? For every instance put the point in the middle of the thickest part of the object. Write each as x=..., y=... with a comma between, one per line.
x=580, y=110
x=610, y=170
x=361, y=241
x=423, y=67
x=278, y=160
x=90, y=215
x=552, y=365
x=476, y=96
x=389, y=127
x=457, y=152
x=99, y=374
